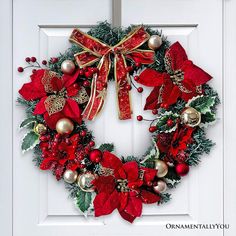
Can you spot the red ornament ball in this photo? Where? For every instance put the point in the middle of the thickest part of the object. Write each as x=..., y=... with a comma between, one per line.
x=95, y=156
x=81, y=72
x=128, y=87
x=169, y=122
x=20, y=69
x=44, y=62
x=152, y=129
x=136, y=78
x=138, y=64
x=129, y=68
x=33, y=59
x=88, y=73
x=83, y=133
x=91, y=143
x=54, y=60
x=86, y=83
x=182, y=169
x=164, y=105
x=139, y=118
x=154, y=111
x=27, y=59
x=140, y=89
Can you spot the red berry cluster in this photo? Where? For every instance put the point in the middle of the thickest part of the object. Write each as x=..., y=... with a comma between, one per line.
x=32, y=63
x=62, y=152
x=88, y=73
x=152, y=128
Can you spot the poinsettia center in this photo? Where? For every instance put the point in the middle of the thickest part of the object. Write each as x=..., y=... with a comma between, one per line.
x=175, y=143
x=62, y=93
x=122, y=185
x=177, y=76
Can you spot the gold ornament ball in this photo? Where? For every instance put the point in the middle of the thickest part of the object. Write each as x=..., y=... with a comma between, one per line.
x=68, y=67
x=40, y=129
x=161, y=167
x=160, y=187
x=154, y=42
x=64, y=126
x=190, y=117
x=70, y=176
x=85, y=182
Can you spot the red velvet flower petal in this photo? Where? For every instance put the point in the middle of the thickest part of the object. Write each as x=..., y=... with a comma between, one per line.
x=34, y=89
x=71, y=91
x=167, y=90
x=152, y=78
x=52, y=119
x=176, y=55
x=133, y=209
x=72, y=110
x=149, y=174
x=47, y=163
x=123, y=197
x=152, y=99
x=56, y=83
x=195, y=74
x=149, y=197
x=143, y=57
x=40, y=107
x=105, y=203
x=173, y=96
x=105, y=184
x=131, y=170
x=109, y=160
x=68, y=80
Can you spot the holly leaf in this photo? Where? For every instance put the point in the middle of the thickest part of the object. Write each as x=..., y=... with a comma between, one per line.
x=30, y=140
x=106, y=147
x=151, y=154
x=27, y=122
x=83, y=200
x=161, y=123
x=203, y=104
x=208, y=117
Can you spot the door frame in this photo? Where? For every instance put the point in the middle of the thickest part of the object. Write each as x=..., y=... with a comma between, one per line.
x=229, y=124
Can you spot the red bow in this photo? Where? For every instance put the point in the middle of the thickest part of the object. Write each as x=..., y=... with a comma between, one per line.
x=183, y=79
x=122, y=187
x=95, y=50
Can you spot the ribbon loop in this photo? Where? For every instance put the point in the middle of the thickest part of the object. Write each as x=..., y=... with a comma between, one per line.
x=95, y=50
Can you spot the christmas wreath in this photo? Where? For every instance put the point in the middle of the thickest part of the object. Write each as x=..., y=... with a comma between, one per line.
x=71, y=88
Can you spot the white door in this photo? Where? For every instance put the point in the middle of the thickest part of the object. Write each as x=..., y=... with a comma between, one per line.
x=40, y=205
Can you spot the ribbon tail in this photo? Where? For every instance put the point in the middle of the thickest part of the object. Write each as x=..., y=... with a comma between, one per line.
x=123, y=95
x=85, y=58
x=142, y=56
x=98, y=93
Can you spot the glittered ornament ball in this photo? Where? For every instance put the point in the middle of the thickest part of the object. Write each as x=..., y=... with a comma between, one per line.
x=160, y=187
x=68, y=67
x=64, y=126
x=154, y=42
x=70, y=176
x=40, y=129
x=161, y=167
x=190, y=117
x=85, y=182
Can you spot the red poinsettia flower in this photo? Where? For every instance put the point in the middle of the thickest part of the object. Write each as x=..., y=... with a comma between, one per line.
x=182, y=80
x=181, y=138
x=124, y=189
x=56, y=94
x=62, y=154
x=175, y=144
